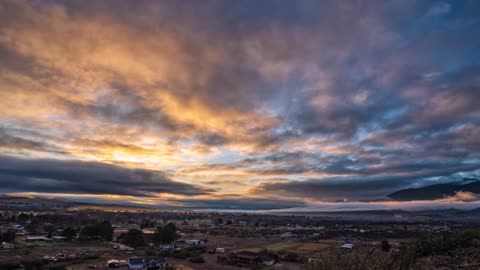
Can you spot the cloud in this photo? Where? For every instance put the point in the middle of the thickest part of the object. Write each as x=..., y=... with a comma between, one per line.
x=462, y=196
x=357, y=188
x=55, y=176
x=339, y=100
x=379, y=206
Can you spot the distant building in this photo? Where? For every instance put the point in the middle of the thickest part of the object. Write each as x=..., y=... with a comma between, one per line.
x=166, y=246
x=59, y=238
x=113, y=263
x=148, y=263
x=251, y=258
x=6, y=245
x=195, y=242
x=287, y=235
x=37, y=238
x=347, y=246
x=126, y=248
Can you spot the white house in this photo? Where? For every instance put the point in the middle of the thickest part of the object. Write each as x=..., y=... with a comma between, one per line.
x=126, y=248
x=37, y=238
x=348, y=246
x=135, y=263
x=195, y=242
x=146, y=263
x=6, y=245
x=167, y=246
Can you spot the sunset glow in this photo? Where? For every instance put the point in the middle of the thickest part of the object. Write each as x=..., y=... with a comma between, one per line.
x=239, y=104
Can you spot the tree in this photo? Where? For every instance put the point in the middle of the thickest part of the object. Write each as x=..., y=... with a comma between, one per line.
x=385, y=246
x=23, y=218
x=165, y=234
x=98, y=231
x=146, y=223
x=134, y=238
x=69, y=233
x=7, y=236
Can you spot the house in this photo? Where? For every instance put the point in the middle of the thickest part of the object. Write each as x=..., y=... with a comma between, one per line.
x=113, y=264
x=6, y=245
x=287, y=235
x=59, y=238
x=166, y=246
x=155, y=263
x=220, y=250
x=246, y=257
x=135, y=263
x=195, y=242
x=347, y=246
x=149, y=263
x=268, y=260
x=37, y=238
x=18, y=227
x=126, y=248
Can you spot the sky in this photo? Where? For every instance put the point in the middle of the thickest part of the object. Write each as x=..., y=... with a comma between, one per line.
x=238, y=104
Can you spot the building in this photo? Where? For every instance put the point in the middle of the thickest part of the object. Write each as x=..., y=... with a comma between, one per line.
x=195, y=242
x=166, y=246
x=126, y=248
x=246, y=257
x=135, y=263
x=149, y=263
x=37, y=238
x=113, y=264
x=6, y=245
x=347, y=246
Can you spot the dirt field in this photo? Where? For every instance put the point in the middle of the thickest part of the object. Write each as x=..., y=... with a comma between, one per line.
x=106, y=252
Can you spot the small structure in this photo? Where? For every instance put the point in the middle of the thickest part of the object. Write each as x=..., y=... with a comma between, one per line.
x=287, y=235
x=113, y=264
x=220, y=250
x=347, y=246
x=59, y=238
x=6, y=245
x=246, y=257
x=195, y=242
x=37, y=238
x=149, y=263
x=166, y=246
x=126, y=248
x=18, y=227
x=135, y=263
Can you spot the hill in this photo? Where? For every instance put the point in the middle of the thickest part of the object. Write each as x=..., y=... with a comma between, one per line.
x=435, y=192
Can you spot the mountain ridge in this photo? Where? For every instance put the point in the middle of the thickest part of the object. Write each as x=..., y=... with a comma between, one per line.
x=437, y=191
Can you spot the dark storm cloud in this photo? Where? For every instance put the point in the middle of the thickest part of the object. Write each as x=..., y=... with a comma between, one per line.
x=19, y=139
x=385, y=93
x=360, y=188
x=53, y=176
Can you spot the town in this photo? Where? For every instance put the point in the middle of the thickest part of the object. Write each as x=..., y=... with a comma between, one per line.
x=40, y=237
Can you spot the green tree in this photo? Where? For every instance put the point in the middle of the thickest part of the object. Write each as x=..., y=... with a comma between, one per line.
x=134, y=238
x=69, y=233
x=385, y=246
x=165, y=234
x=98, y=231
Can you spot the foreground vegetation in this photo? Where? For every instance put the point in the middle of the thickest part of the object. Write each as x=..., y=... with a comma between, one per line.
x=460, y=250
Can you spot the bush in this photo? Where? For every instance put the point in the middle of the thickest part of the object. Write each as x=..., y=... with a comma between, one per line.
x=197, y=259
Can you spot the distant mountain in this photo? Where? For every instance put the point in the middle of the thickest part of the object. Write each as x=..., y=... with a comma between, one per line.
x=438, y=191
x=9, y=199
x=24, y=203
